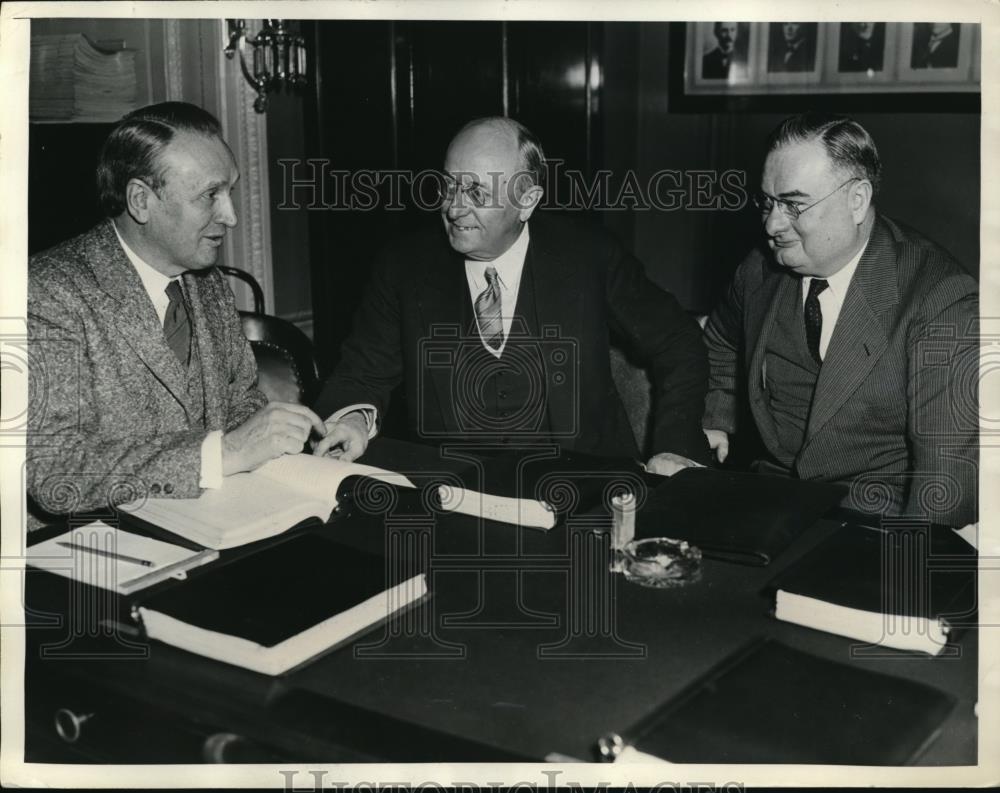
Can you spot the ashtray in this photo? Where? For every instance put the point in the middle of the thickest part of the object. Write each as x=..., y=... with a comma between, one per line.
x=661, y=562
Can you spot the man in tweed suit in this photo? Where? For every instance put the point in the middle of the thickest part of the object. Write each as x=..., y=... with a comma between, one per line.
x=852, y=336
x=141, y=381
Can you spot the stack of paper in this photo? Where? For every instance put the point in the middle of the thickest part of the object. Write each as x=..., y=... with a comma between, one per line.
x=103, y=556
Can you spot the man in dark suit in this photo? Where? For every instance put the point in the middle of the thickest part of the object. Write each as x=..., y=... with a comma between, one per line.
x=499, y=327
x=715, y=64
x=935, y=45
x=862, y=46
x=141, y=381
x=852, y=337
x=792, y=47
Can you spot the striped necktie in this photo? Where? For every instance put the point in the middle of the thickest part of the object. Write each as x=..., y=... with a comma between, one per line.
x=176, y=324
x=488, y=311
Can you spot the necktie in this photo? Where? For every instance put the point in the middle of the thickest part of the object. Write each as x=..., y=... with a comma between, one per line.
x=488, y=311
x=814, y=317
x=176, y=324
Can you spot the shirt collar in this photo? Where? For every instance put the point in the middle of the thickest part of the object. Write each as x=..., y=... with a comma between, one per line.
x=153, y=281
x=840, y=280
x=509, y=263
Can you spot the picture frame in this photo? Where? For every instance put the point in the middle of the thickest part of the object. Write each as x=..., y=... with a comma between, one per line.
x=920, y=61
x=710, y=66
x=862, y=54
x=834, y=58
x=792, y=53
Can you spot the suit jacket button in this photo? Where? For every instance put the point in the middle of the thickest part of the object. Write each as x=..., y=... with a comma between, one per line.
x=155, y=489
x=168, y=489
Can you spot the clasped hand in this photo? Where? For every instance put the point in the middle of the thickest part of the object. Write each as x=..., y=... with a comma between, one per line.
x=346, y=438
x=277, y=428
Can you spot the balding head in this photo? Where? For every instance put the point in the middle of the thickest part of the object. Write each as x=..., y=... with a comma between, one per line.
x=492, y=168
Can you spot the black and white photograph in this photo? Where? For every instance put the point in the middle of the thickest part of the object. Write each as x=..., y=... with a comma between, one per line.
x=862, y=47
x=726, y=51
x=935, y=45
x=936, y=53
x=397, y=399
x=792, y=47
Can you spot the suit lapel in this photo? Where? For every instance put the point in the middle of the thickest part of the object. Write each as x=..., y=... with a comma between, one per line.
x=762, y=309
x=557, y=305
x=858, y=339
x=440, y=295
x=133, y=313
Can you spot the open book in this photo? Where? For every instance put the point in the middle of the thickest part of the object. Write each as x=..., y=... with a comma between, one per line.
x=271, y=611
x=259, y=504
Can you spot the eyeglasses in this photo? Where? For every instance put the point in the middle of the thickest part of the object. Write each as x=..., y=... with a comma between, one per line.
x=790, y=209
x=475, y=192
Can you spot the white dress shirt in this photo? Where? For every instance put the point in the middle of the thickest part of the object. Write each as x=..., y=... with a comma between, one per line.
x=509, y=266
x=155, y=283
x=831, y=299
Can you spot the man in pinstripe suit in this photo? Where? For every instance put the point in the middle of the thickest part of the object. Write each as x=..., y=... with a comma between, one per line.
x=852, y=337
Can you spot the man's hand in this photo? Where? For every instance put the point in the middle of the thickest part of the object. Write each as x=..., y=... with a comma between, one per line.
x=277, y=428
x=667, y=464
x=345, y=439
x=718, y=441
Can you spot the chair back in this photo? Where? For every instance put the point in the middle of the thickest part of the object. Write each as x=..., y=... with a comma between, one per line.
x=286, y=361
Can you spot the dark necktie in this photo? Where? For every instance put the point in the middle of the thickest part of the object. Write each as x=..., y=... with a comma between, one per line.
x=488, y=311
x=176, y=324
x=814, y=317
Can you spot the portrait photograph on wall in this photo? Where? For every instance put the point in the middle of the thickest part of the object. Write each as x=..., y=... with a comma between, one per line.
x=755, y=58
x=727, y=49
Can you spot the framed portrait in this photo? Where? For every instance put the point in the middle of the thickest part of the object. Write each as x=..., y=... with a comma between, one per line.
x=862, y=53
x=722, y=54
x=888, y=60
x=935, y=52
x=791, y=53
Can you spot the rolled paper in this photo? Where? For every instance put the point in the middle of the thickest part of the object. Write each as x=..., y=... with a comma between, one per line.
x=622, y=520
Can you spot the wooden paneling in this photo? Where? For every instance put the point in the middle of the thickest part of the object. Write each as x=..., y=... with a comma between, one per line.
x=391, y=95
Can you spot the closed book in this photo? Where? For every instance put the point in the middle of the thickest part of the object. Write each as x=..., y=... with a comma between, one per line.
x=738, y=517
x=902, y=588
x=538, y=488
x=262, y=503
x=770, y=703
x=275, y=609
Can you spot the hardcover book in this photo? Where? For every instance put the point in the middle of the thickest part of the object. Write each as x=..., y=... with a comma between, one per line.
x=276, y=609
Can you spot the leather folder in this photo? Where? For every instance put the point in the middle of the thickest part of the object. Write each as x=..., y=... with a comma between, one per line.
x=770, y=703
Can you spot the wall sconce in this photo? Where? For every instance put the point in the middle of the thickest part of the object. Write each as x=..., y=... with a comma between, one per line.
x=279, y=57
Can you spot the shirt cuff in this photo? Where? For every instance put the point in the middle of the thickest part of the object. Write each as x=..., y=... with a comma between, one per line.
x=369, y=412
x=211, y=461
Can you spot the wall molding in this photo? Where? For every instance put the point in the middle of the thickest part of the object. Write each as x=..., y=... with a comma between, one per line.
x=246, y=131
x=196, y=70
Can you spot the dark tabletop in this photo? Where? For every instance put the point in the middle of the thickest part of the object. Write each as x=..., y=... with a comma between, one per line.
x=528, y=645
